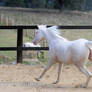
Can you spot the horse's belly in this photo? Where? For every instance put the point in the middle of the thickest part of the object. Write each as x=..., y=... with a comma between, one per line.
x=67, y=59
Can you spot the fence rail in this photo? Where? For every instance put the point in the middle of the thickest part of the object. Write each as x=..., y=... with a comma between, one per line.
x=23, y=48
x=35, y=27
x=19, y=47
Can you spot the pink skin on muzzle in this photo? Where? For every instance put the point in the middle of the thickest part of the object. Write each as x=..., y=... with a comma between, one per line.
x=34, y=42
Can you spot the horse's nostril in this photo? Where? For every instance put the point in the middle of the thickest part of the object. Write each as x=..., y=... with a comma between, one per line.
x=34, y=42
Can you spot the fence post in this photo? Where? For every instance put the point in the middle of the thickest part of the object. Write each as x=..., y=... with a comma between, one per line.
x=7, y=21
x=19, y=45
x=1, y=18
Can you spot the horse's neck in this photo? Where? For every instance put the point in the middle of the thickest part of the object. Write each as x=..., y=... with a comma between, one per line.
x=63, y=39
x=51, y=39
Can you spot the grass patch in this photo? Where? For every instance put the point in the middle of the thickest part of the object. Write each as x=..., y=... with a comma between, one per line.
x=89, y=63
x=5, y=59
x=26, y=63
x=8, y=38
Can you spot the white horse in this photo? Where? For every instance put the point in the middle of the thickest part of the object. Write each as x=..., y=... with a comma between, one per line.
x=62, y=51
x=29, y=44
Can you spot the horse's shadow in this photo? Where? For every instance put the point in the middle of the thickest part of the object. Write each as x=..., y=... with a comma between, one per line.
x=58, y=86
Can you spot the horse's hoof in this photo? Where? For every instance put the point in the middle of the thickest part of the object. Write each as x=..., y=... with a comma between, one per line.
x=37, y=79
x=84, y=86
x=55, y=82
x=80, y=86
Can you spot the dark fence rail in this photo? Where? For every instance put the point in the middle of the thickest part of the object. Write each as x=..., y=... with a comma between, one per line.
x=35, y=27
x=19, y=47
x=23, y=48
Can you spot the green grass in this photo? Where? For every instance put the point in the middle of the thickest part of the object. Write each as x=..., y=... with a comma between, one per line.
x=77, y=34
x=55, y=18
x=8, y=37
x=26, y=63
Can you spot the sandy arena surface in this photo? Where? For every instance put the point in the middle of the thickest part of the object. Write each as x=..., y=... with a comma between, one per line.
x=21, y=78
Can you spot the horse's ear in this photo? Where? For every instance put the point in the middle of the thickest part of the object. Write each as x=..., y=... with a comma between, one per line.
x=38, y=26
x=41, y=27
x=53, y=27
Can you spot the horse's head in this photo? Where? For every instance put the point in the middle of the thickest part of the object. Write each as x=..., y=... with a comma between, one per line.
x=39, y=34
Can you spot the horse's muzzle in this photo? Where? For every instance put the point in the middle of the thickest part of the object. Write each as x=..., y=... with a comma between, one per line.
x=34, y=42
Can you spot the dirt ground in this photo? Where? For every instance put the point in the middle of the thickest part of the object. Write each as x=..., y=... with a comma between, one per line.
x=21, y=78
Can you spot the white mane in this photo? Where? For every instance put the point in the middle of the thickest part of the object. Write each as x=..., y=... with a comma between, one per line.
x=54, y=30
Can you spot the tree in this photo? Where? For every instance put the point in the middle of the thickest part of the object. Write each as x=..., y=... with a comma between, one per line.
x=54, y=4
x=15, y=3
x=58, y=4
x=73, y=4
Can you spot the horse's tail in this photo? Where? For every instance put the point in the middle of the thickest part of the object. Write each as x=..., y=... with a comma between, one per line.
x=89, y=45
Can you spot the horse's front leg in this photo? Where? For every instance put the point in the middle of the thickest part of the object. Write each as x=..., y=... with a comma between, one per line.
x=50, y=63
x=59, y=72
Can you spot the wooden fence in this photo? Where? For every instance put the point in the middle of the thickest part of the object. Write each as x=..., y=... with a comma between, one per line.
x=19, y=47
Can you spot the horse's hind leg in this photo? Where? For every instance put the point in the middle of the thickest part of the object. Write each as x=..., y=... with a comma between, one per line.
x=87, y=73
x=50, y=63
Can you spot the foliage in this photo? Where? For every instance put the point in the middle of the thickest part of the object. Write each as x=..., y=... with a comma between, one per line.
x=16, y=3
x=73, y=4
x=54, y=4
x=70, y=4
